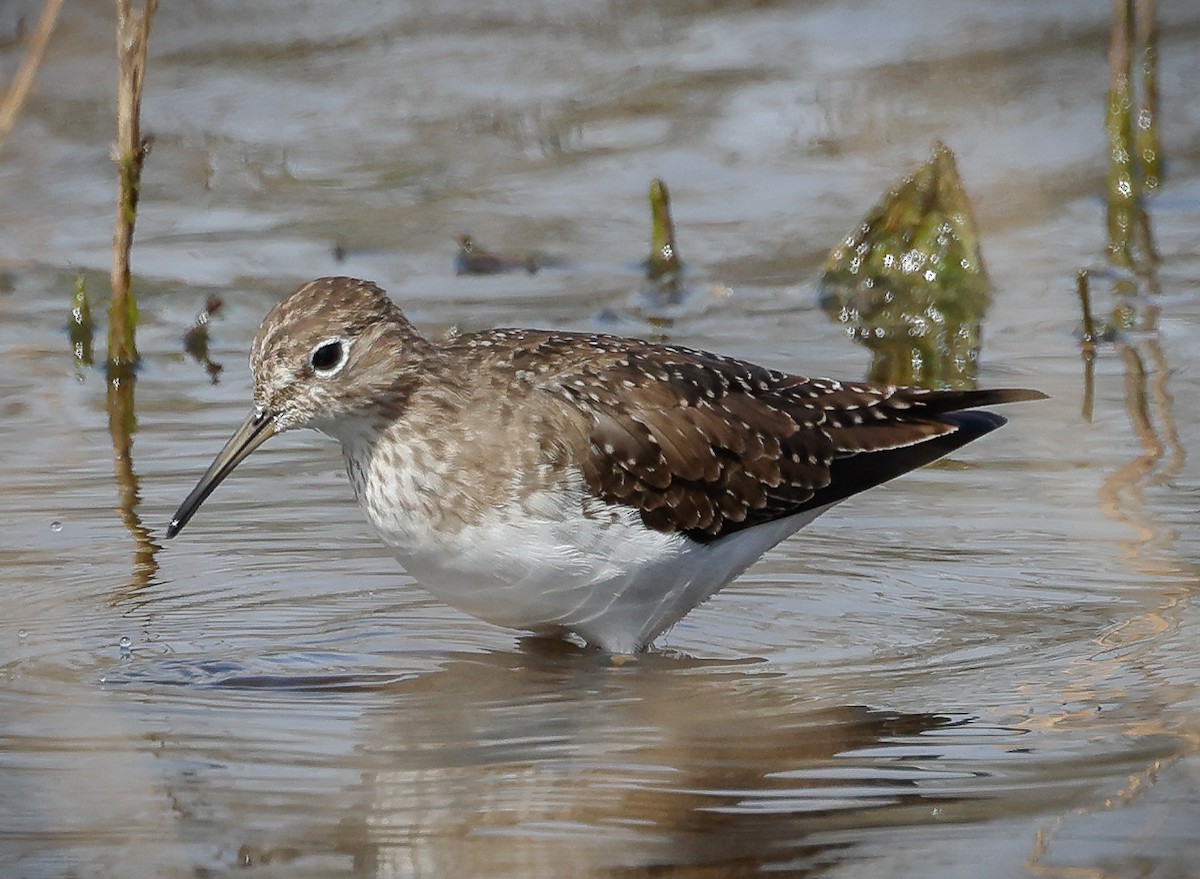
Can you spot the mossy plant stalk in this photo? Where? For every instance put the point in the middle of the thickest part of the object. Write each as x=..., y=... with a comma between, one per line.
x=1131, y=123
x=80, y=327
x=1121, y=193
x=133, y=38
x=664, y=255
x=1147, y=145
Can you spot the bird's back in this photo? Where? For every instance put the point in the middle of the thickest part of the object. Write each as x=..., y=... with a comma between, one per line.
x=709, y=445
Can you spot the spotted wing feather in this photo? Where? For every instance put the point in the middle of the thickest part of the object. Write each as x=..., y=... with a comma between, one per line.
x=710, y=445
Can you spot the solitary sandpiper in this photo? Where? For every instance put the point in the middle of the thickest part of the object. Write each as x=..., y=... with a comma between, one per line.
x=561, y=482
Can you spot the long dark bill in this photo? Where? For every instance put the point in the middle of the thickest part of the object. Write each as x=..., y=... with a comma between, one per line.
x=258, y=427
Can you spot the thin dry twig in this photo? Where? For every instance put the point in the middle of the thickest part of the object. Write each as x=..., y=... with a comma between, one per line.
x=22, y=84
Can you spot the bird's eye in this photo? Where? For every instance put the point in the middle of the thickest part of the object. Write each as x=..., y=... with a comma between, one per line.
x=328, y=357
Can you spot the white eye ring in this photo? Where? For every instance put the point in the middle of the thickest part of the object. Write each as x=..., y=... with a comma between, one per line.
x=329, y=357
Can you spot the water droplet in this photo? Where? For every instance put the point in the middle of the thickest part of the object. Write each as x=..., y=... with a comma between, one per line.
x=22, y=634
x=125, y=645
x=56, y=526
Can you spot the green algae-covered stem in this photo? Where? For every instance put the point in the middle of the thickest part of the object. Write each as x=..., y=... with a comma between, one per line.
x=80, y=327
x=1131, y=124
x=133, y=37
x=664, y=256
x=1121, y=194
x=1147, y=145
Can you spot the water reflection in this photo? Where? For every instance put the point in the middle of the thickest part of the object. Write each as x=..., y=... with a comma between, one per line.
x=195, y=340
x=686, y=794
x=1150, y=550
x=553, y=761
x=1125, y=648
x=122, y=424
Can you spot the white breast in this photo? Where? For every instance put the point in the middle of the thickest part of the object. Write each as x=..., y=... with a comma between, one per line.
x=555, y=560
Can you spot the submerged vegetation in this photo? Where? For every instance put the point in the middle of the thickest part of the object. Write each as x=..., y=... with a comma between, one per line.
x=663, y=265
x=81, y=329
x=909, y=282
x=1135, y=171
x=664, y=285
x=1134, y=148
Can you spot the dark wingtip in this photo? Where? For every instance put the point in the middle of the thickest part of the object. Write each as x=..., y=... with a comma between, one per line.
x=973, y=423
x=173, y=528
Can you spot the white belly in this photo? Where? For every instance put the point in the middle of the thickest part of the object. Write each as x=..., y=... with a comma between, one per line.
x=543, y=567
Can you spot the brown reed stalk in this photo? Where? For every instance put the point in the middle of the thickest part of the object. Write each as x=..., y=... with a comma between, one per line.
x=133, y=39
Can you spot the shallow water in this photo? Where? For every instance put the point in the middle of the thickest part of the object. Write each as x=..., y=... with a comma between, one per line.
x=987, y=668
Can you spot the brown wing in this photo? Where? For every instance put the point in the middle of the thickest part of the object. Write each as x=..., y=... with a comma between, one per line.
x=710, y=445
